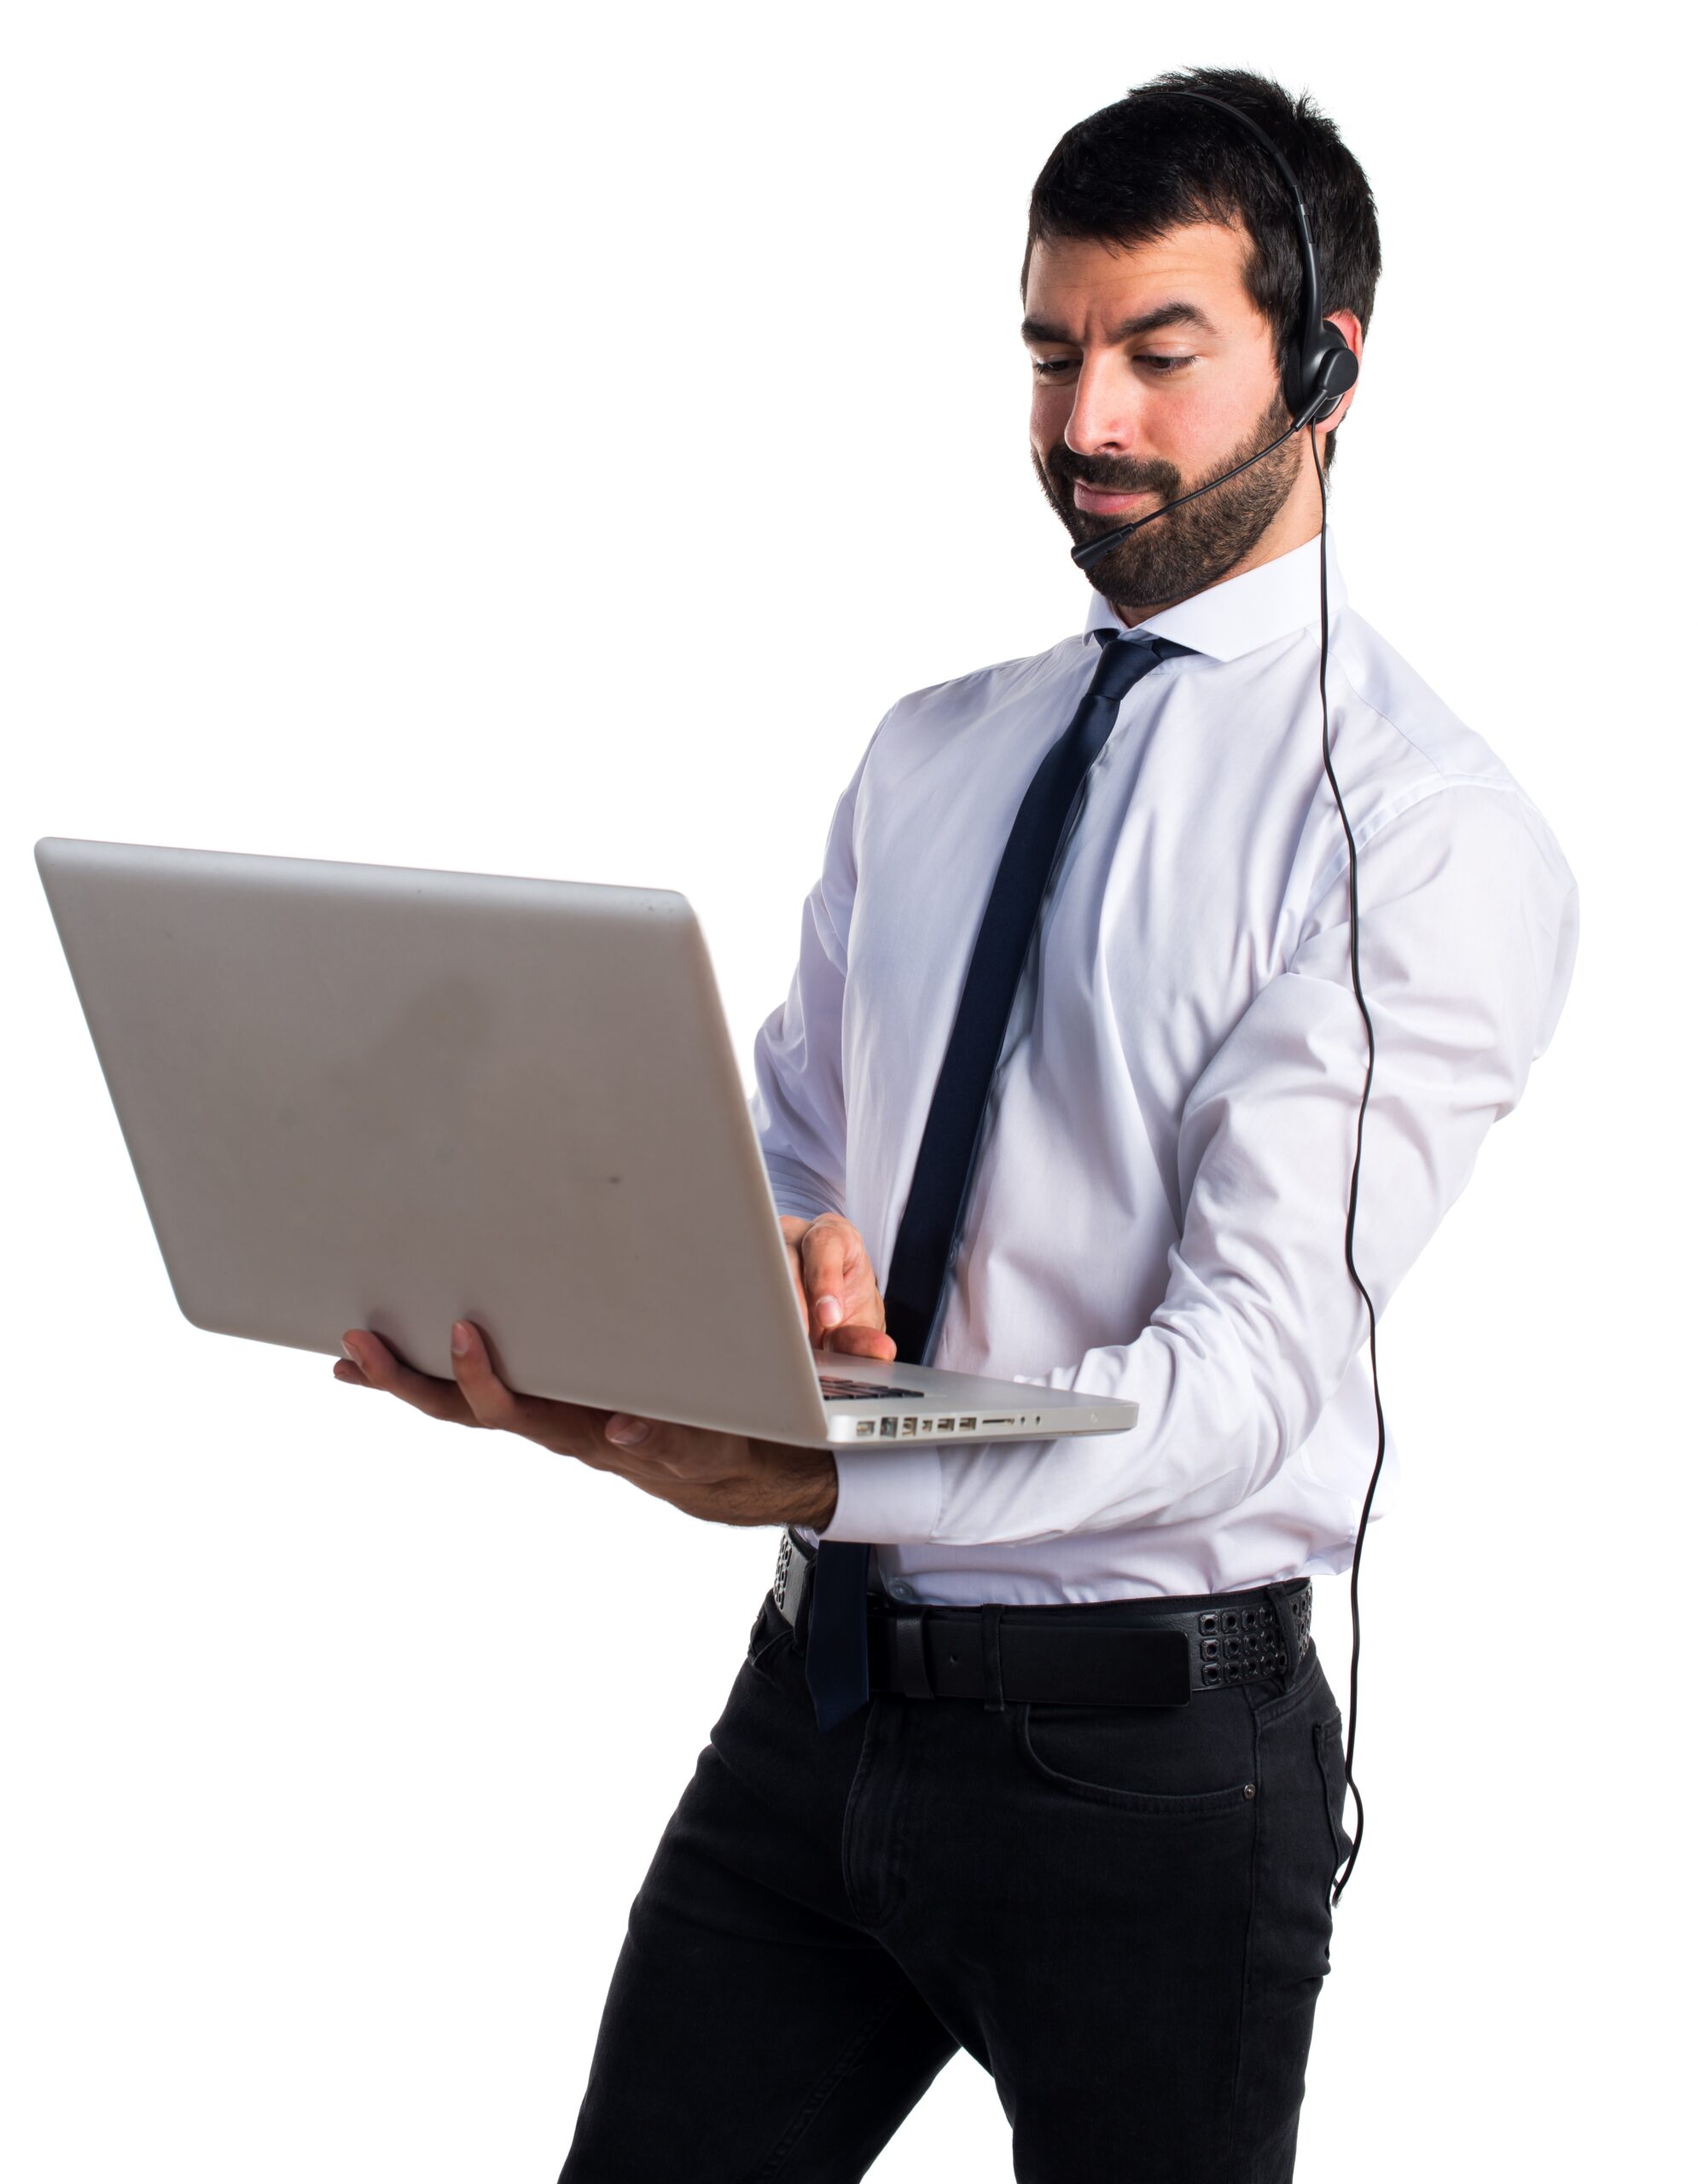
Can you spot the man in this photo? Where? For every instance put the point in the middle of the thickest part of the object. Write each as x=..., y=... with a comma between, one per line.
x=1120, y=1908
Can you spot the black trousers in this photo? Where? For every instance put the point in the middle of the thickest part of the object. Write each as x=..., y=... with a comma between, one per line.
x=1120, y=1913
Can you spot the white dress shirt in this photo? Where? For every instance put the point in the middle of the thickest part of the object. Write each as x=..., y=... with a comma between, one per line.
x=1157, y=1209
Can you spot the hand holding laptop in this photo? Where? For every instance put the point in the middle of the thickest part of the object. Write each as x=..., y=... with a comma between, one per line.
x=727, y=1478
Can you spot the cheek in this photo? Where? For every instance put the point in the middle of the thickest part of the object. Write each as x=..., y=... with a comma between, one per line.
x=1220, y=410
x=1051, y=407
x=1193, y=425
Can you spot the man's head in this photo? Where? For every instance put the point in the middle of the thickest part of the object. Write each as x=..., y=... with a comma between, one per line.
x=1162, y=281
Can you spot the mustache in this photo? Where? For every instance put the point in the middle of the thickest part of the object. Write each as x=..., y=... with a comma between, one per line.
x=1104, y=475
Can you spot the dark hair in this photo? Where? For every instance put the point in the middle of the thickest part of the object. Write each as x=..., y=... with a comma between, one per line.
x=1150, y=162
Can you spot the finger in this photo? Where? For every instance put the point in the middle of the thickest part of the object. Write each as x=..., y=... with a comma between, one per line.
x=346, y=1371
x=382, y=1368
x=487, y=1396
x=862, y=1342
x=651, y=1451
x=823, y=1264
x=862, y=1303
x=850, y=1282
x=636, y=1450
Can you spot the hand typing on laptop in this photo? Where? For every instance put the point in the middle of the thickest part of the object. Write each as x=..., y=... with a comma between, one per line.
x=842, y=1307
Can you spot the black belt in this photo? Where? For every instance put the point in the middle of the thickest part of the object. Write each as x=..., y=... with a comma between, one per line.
x=1152, y=1652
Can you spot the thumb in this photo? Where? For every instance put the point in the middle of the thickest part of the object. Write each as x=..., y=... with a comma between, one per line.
x=862, y=1342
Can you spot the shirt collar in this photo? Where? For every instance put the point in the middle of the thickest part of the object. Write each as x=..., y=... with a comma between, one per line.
x=1246, y=612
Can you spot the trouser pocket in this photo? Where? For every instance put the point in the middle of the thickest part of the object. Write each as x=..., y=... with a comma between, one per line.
x=766, y=1631
x=1329, y=1760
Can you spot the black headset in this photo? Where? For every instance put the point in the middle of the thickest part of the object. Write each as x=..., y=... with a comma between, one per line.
x=1318, y=368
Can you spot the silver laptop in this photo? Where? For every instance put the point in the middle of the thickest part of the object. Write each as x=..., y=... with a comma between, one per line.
x=363, y=1095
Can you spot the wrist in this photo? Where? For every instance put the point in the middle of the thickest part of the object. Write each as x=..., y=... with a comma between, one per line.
x=823, y=1501
x=802, y=1484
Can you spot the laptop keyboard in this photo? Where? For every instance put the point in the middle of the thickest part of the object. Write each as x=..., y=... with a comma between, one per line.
x=834, y=1386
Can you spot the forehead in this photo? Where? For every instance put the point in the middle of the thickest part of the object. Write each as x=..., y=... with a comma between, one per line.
x=1088, y=287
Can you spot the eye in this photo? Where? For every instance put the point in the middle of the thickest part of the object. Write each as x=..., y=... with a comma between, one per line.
x=1160, y=366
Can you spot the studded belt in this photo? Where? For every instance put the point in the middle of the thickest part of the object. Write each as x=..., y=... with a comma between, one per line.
x=1153, y=1652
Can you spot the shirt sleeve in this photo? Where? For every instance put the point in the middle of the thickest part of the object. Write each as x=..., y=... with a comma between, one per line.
x=798, y=1104
x=1468, y=918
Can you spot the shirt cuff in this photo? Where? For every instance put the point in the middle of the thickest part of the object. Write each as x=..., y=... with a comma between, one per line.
x=886, y=1497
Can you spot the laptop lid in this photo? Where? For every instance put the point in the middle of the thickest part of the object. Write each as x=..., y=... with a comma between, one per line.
x=380, y=1096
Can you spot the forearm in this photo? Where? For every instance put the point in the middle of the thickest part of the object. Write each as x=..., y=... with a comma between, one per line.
x=809, y=1495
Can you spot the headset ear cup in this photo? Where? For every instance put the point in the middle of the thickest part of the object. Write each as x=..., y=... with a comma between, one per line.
x=1333, y=374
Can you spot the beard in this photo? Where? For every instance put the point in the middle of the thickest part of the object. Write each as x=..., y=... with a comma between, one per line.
x=1194, y=546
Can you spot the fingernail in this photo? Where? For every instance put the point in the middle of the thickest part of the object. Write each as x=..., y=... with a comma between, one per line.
x=626, y=1432
x=460, y=1341
x=830, y=1311
x=349, y=1355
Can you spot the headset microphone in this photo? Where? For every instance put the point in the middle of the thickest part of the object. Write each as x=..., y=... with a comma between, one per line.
x=1317, y=370
x=1092, y=551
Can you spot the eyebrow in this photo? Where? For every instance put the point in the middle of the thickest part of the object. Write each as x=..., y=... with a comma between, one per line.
x=1148, y=321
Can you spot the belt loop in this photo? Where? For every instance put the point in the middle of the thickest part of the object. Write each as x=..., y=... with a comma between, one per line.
x=1280, y=1593
x=989, y=1639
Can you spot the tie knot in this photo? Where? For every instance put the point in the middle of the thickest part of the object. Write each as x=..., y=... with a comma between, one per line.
x=1126, y=660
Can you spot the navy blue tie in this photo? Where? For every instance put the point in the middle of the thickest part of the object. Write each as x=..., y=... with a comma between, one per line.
x=926, y=1239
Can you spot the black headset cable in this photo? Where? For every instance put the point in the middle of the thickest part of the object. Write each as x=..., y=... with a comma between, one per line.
x=1350, y=1217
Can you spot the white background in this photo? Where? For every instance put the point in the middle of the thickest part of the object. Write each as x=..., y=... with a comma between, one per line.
x=542, y=440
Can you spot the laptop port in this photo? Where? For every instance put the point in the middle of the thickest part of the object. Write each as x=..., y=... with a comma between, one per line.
x=888, y=1428
x=996, y=1422
x=968, y=1424
x=909, y=1425
x=864, y=1427
x=946, y=1426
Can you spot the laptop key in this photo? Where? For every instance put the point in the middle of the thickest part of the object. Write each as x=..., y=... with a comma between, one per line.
x=834, y=1388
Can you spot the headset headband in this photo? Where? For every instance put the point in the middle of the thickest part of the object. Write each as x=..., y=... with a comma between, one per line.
x=1318, y=366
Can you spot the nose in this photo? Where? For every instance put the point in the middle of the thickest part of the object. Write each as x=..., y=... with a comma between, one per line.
x=1104, y=417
